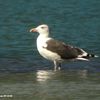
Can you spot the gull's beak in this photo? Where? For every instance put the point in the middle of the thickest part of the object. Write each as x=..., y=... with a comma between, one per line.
x=33, y=30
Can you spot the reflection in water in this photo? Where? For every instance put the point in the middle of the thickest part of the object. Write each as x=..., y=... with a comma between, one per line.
x=51, y=85
x=83, y=73
x=66, y=84
x=43, y=75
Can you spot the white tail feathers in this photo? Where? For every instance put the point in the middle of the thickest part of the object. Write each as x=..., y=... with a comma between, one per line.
x=82, y=59
x=86, y=57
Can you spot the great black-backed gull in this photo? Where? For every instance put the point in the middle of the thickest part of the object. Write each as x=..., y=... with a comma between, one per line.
x=55, y=50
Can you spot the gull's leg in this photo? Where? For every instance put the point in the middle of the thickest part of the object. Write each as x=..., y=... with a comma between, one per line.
x=57, y=65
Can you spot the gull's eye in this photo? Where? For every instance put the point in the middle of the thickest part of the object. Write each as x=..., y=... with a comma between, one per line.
x=42, y=27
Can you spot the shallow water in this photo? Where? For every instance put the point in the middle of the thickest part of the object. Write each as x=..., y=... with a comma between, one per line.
x=50, y=85
x=24, y=73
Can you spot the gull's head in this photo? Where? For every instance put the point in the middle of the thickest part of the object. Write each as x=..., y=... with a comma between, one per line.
x=41, y=29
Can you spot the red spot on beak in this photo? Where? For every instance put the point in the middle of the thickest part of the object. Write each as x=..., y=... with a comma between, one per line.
x=33, y=30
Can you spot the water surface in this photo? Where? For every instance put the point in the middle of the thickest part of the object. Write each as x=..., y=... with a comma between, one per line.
x=24, y=73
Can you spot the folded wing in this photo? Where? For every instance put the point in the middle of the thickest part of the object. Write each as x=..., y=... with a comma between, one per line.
x=66, y=51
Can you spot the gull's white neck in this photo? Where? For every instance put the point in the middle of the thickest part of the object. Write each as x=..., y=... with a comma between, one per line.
x=42, y=38
x=44, y=35
x=41, y=41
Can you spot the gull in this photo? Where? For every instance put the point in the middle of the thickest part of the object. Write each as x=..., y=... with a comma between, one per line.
x=57, y=51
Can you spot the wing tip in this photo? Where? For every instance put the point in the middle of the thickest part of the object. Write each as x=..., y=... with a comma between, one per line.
x=96, y=56
x=92, y=55
x=86, y=58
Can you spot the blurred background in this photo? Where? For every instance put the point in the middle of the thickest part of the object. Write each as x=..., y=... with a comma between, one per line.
x=76, y=22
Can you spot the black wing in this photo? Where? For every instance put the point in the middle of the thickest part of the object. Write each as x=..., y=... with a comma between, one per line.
x=64, y=50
